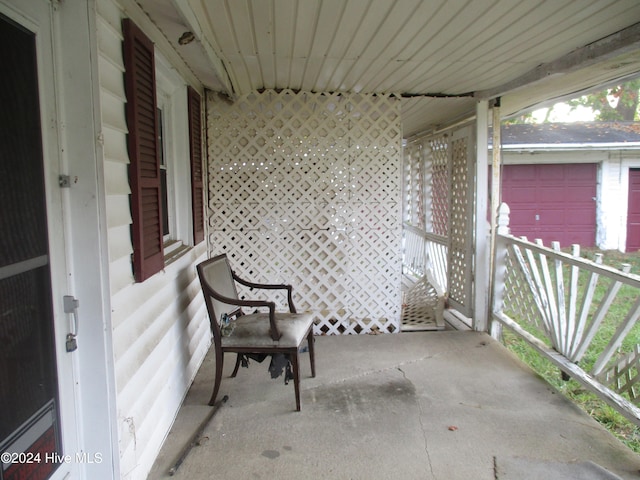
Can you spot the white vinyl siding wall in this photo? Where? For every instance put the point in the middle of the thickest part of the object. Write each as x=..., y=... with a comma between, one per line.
x=613, y=201
x=160, y=328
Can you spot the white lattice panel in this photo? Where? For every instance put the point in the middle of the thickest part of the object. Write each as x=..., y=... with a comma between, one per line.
x=458, y=221
x=623, y=377
x=439, y=184
x=305, y=189
x=414, y=187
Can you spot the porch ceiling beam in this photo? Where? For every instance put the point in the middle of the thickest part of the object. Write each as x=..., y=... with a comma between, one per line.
x=619, y=43
x=190, y=17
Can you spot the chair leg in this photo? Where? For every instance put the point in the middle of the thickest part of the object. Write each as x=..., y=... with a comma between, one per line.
x=295, y=364
x=312, y=356
x=235, y=369
x=218, y=379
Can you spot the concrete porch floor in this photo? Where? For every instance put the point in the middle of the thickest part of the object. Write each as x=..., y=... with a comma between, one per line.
x=425, y=405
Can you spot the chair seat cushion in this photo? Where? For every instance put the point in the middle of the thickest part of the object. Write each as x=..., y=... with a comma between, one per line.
x=253, y=330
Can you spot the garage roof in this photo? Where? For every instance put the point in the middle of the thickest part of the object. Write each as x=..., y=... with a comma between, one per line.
x=577, y=133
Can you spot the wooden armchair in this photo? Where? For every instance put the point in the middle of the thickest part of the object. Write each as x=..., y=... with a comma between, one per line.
x=251, y=333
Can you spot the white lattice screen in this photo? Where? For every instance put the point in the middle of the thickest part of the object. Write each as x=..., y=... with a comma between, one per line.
x=446, y=176
x=439, y=166
x=414, y=181
x=305, y=188
x=461, y=221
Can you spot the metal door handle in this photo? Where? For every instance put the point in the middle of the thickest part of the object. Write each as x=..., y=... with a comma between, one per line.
x=71, y=305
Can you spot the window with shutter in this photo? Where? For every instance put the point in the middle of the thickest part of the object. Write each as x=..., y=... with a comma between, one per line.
x=144, y=168
x=195, y=152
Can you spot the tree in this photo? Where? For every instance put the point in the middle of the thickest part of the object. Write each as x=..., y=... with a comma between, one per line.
x=619, y=103
x=523, y=118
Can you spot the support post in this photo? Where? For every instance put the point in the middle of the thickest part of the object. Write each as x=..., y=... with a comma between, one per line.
x=482, y=266
x=496, y=170
x=496, y=184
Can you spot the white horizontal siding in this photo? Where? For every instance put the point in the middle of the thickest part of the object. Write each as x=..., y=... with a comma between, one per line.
x=120, y=245
x=613, y=199
x=115, y=148
x=118, y=211
x=158, y=347
x=111, y=80
x=612, y=205
x=148, y=420
x=160, y=326
x=109, y=40
x=113, y=114
x=120, y=272
x=116, y=178
x=110, y=13
x=114, y=134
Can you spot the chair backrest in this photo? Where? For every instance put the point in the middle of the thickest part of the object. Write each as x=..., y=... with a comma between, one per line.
x=216, y=280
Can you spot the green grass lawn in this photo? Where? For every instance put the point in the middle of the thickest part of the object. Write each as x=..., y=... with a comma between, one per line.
x=626, y=431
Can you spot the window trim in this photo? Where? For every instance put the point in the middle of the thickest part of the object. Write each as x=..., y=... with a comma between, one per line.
x=195, y=161
x=165, y=184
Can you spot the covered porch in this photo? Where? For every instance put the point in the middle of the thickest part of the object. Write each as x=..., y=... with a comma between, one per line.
x=421, y=405
x=336, y=145
x=339, y=193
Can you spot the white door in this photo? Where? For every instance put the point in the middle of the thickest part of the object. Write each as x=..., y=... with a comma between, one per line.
x=38, y=431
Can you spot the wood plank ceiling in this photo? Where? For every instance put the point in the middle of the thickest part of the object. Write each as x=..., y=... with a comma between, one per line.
x=437, y=54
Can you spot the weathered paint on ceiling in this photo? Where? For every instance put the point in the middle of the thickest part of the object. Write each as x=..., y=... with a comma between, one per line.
x=431, y=50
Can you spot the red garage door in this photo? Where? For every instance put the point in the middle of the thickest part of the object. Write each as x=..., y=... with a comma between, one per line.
x=552, y=202
x=633, y=213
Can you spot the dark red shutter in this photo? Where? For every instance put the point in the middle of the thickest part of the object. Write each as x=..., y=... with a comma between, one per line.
x=144, y=166
x=195, y=149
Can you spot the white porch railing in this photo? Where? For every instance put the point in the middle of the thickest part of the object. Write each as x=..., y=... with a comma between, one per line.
x=424, y=253
x=414, y=258
x=424, y=262
x=561, y=304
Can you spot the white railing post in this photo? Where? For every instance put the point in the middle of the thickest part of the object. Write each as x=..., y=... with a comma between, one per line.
x=499, y=268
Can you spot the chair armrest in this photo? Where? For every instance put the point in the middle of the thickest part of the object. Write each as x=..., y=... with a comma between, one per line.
x=275, y=333
x=267, y=286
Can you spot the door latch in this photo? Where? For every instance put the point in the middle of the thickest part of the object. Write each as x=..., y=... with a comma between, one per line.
x=72, y=342
x=71, y=305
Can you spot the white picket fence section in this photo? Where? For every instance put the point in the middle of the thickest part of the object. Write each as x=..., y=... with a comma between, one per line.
x=562, y=304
